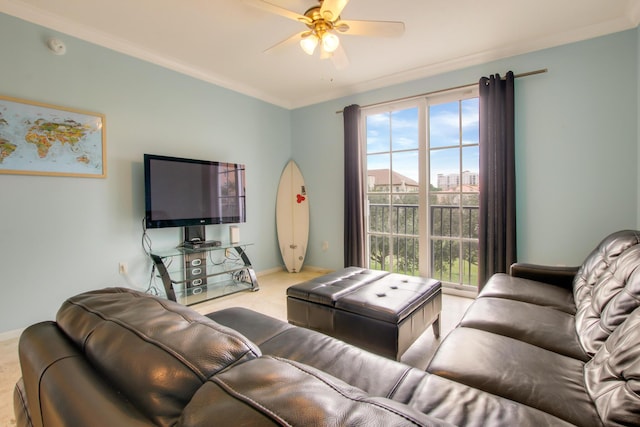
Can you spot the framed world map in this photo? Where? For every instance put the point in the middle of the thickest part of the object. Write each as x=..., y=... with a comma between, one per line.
x=42, y=139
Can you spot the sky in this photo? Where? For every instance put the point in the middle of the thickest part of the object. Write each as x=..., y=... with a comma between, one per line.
x=449, y=123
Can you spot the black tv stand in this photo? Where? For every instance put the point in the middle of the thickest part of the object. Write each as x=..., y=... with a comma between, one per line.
x=194, y=233
x=194, y=238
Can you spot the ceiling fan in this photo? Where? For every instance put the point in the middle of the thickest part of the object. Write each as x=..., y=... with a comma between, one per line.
x=323, y=22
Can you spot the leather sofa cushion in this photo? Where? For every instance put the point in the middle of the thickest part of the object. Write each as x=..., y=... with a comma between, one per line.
x=502, y=285
x=518, y=371
x=375, y=375
x=552, y=329
x=270, y=391
x=327, y=289
x=613, y=375
x=176, y=349
x=467, y=406
x=610, y=300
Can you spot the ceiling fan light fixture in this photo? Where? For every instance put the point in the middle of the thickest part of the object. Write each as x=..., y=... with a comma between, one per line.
x=325, y=25
x=330, y=42
x=309, y=43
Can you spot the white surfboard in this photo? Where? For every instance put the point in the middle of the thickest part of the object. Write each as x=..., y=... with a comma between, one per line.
x=292, y=217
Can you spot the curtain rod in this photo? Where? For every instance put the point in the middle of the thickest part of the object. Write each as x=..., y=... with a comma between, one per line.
x=435, y=92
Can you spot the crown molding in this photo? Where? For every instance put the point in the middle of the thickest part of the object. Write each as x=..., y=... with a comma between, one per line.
x=58, y=23
x=64, y=26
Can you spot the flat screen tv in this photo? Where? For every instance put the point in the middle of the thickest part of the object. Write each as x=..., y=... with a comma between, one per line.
x=185, y=192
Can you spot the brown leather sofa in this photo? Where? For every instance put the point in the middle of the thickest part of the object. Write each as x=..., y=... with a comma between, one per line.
x=563, y=349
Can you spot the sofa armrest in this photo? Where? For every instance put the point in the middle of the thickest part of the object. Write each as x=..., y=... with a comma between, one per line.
x=59, y=386
x=553, y=275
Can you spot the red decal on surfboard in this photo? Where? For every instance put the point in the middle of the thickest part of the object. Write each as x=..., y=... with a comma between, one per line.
x=300, y=198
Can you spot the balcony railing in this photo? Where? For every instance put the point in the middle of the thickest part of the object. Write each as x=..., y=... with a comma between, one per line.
x=453, y=237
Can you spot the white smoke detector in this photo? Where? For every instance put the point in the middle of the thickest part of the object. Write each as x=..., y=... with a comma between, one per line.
x=57, y=46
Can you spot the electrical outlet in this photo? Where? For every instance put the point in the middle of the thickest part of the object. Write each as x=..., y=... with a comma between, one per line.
x=122, y=268
x=325, y=246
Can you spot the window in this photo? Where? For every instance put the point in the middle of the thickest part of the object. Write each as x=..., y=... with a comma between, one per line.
x=422, y=187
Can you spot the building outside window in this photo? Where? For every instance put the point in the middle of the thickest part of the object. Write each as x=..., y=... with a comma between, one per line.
x=422, y=186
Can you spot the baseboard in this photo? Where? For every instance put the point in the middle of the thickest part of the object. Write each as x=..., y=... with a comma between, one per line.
x=459, y=292
x=282, y=268
x=269, y=271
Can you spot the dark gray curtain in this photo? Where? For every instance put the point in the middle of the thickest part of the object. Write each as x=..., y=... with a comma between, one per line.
x=497, y=176
x=354, y=233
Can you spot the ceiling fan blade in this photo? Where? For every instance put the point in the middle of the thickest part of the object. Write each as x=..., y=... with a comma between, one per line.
x=331, y=9
x=272, y=8
x=340, y=59
x=371, y=28
x=324, y=54
x=294, y=39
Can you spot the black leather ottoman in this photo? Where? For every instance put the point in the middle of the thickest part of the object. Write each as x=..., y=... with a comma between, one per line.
x=376, y=310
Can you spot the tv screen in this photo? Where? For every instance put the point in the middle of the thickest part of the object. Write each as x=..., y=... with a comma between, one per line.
x=186, y=192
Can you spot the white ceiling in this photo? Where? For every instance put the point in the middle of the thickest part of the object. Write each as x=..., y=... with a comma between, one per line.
x=222, y=41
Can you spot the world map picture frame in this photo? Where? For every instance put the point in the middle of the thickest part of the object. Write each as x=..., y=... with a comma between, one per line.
x=43, y=139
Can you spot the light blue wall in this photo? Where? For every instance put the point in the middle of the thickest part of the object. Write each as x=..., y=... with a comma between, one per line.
x=577, y=148
x=59, y=235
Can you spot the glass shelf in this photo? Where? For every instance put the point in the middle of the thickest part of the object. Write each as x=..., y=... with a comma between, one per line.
x=191, y=276
x=197, y=294
x=180, y=250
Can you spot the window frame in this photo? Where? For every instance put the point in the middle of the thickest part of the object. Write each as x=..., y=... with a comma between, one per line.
x=422, y=103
